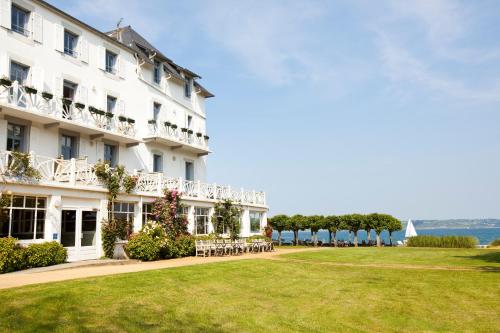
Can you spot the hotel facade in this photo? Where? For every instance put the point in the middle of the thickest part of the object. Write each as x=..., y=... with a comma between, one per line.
x=72, y=96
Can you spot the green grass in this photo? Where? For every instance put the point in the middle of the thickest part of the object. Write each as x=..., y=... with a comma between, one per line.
x=485, y=258
x=274, y=296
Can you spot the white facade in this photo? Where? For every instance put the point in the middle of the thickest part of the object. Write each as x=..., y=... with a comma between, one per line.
x=148, y=99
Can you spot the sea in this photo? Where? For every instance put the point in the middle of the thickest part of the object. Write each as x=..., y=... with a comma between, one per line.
x=484, y=235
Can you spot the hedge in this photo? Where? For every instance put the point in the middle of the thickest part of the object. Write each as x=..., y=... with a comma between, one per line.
x=13, y=257
x=443, y=241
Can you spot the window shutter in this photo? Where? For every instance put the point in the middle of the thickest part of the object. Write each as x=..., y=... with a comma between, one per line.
x=82, y=94
x=120, y=66
x=102, y=58
x=37, y=78
x=59, y=38
x=5, y=9
x=37, y=28
x=121, y=107
x=84, y=50
x=58, y=87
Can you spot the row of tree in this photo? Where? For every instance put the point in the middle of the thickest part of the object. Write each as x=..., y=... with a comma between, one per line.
x=351, y=222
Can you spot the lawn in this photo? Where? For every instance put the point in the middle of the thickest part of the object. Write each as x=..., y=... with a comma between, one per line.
x=300, y=292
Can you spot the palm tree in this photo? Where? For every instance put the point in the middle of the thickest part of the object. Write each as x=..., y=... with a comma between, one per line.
x=279, y=223
x=296, y=223
x=392, y=224
x=333, y=224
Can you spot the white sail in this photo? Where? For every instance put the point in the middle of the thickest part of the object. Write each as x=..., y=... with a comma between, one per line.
x=410, y=230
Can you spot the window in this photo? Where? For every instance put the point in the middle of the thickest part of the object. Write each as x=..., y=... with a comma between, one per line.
x=68, y=146
x=255, y=219
x=69, y=89
x=16, y=139
x=189, y=171
x=70, y=42
x=157, y=163
x=147, y=212
x=157, y=72
x=190, y=122
x=110, y=62
x=183, y=211
x=111, y=104
x=156, y=111
x=19, y=20
x=123, y=211
x=110, y=154
x=19, y=73
x=187, y=87
x=201, y=221
x=24, y=218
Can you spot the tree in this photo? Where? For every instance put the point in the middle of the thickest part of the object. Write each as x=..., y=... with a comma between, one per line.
x=296, y=223
x=354, y=222
x=333, y=224
x=279, y=223
x=315, y=223
x=392, y=224
x=226, y=219
x=368, y=226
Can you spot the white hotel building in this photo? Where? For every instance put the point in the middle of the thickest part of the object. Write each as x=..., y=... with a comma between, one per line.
x=130, y=105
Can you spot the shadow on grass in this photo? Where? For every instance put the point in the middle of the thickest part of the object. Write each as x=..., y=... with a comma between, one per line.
x=490, y=257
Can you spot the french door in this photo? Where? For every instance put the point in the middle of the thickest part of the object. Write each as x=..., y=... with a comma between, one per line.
x=79, y=233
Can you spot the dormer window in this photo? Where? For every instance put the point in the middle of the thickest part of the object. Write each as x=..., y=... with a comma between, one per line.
x=187, y=87
x=70, y=42
x=19, y=20
x=110, y=62
x=157, y=72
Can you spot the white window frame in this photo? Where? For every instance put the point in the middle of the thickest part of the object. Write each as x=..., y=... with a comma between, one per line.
x=36, y=209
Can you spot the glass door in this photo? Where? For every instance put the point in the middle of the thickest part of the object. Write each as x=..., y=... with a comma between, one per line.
x=88, y=228
x=78, y=233
x=68, y=228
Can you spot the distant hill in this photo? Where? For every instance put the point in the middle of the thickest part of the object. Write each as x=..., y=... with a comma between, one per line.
x=456, y=223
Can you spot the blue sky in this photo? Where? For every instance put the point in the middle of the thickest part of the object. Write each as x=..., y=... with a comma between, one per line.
x=334, y=107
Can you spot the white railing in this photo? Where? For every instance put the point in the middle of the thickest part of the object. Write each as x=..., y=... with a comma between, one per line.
x=159, y=129
x=21, y=97
x=80, y=172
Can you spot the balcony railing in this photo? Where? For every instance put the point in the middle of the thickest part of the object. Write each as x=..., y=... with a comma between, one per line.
x=175, y=134
x=73, y=172
x=54, y=107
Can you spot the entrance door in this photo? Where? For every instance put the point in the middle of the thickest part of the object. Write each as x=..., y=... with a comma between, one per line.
x=78, y=233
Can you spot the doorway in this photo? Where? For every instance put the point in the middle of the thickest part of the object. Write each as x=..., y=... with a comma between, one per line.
x=79, y=233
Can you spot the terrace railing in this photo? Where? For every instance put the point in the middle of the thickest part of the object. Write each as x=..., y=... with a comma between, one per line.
x=177, y=134
x=40, y=103
x=79, y=172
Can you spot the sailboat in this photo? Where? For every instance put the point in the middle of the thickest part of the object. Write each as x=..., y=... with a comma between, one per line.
x=410, y=230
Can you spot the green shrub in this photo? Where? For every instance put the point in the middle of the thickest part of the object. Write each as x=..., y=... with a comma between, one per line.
x=111, y=230
x=45, y=254
x=182, y=246
x=443, y=241
x=495, y=242
x=143, y=247
x=251, y=238
x=11, y=255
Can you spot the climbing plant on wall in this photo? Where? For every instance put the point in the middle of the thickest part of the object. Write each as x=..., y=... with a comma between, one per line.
x=226, y=219
x=167, y=211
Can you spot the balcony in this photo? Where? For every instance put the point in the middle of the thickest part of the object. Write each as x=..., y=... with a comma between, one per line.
x=51, y=111
x=176, y=138
x=77, y=172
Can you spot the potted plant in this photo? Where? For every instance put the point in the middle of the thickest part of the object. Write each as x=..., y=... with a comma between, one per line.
x=167, y=124
x=122, y=118
x=199, y=134
x=93, y=109
x=152, y=122
x=206, y=137
x=5, y=81
x=190, y=132
x=109, y=115
x=66, y=101
x=48, y=96
x=174, y=126
x=30, y=90
x=80, y=106
x=130, y=121
x=184, y=130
